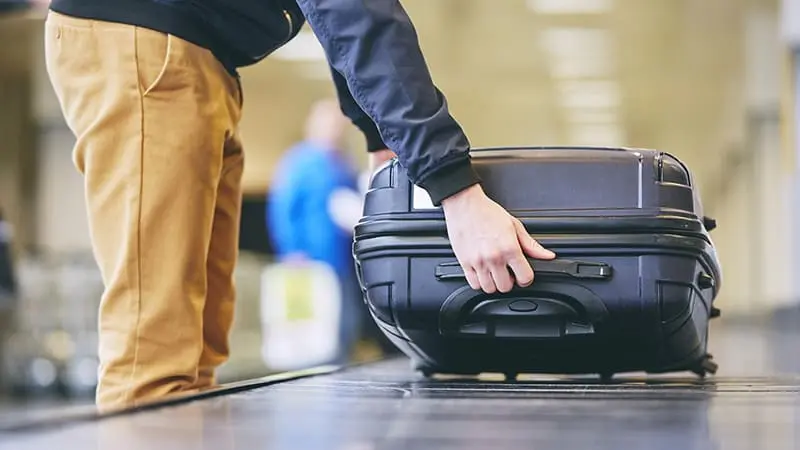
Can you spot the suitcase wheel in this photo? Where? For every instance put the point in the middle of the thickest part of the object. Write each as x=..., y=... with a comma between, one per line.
x=706, y=366
x=606, y=377
x=427, y=373
x=420, y=367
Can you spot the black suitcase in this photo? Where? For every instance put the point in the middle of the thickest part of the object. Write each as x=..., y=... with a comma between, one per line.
x=632, y=288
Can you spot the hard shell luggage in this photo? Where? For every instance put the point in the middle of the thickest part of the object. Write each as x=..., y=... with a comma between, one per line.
x=632, y=287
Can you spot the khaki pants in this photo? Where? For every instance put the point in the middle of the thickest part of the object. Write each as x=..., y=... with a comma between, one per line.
x=156, y=122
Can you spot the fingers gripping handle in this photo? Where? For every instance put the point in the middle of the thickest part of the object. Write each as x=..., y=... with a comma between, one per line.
x=548, y=309
x=557, y=267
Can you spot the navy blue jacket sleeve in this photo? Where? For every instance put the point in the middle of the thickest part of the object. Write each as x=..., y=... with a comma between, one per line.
x=357, y=115
x=374, y=47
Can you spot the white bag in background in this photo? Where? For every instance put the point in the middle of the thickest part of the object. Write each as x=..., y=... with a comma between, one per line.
x=300, y=314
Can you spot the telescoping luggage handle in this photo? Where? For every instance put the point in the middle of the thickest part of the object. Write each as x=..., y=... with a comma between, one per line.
x=548, y=309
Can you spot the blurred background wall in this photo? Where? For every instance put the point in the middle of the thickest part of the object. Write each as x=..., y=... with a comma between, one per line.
x=711, y=81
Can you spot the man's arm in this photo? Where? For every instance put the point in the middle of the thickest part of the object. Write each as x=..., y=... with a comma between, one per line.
x=357, y=115
x=378, y=151
x=374, y=46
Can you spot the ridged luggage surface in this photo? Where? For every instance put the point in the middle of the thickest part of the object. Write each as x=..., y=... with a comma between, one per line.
x=632, y=287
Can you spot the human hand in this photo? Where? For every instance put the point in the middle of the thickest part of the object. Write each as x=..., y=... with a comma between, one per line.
x=379, y=157
x=487, y=241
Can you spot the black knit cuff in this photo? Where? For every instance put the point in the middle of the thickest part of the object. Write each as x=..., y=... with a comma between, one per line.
x=449, y=180
x=371, y=133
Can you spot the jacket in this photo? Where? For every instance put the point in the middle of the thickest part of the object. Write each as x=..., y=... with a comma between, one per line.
x=382, y=79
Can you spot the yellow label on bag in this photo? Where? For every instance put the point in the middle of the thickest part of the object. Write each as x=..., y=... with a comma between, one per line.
x=299, y=305
x=300, y=315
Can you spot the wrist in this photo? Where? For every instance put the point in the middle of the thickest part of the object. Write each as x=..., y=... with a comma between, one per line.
x=466, y=195
x=379, y=157
x=450, y=180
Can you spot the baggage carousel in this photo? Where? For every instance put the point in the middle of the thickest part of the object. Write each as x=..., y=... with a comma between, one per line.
x=752, y=403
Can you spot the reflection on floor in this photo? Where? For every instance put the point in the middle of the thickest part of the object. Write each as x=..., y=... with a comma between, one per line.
x=752, y=403
x=32, y=409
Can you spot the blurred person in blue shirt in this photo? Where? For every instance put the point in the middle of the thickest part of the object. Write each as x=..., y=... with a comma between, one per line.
x=303, y=208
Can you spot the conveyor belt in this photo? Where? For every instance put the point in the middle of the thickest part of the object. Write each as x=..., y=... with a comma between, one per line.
x=754, y=404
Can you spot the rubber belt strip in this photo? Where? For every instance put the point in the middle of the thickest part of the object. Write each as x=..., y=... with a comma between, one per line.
x=91, y=413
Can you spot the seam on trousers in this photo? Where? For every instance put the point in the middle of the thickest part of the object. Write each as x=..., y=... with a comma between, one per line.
x=138, y=221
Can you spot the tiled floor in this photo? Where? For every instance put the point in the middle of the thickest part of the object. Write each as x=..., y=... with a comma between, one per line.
x=752, y=403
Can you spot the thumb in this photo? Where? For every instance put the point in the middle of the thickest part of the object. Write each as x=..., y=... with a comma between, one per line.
x=529, y=245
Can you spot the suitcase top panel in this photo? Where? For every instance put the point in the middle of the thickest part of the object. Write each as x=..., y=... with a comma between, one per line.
x=555, y=150
x=555, y=181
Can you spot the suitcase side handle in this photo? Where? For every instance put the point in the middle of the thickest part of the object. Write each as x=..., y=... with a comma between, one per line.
x=541, y=311
x=557, y=267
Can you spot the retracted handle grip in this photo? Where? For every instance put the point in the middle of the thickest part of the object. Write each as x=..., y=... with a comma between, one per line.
x=558, y=267
x=546, y=310
x=543, y=311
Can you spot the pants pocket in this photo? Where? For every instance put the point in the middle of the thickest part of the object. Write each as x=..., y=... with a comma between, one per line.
x=155, y=55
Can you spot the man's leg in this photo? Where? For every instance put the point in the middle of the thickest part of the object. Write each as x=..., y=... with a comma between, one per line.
x=151, y=114
x=222, y=257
